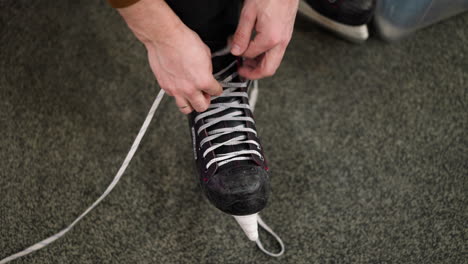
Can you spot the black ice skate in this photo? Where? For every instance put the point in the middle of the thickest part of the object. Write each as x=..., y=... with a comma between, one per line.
x=347, y=18
x=232, y=170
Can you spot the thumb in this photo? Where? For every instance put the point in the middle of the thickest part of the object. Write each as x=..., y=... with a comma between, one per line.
x=214, y=88
x=244, y=29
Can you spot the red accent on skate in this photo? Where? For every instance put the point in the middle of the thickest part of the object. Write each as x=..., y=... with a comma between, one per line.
x=205, y=179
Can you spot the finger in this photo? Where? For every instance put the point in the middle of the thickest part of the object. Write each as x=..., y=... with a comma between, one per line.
x=252, y=63
x=213, y=88
x=266, y=67
x=183, y=105
x=199, y=101
x=260, y=44
x=249, y=66
x=244, y=30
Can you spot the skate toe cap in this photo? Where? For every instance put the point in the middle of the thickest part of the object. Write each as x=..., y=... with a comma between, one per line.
x=241, y=190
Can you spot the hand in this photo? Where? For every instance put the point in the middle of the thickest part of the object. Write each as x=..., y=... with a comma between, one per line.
x=182, y=66
x=178, y=58
x=273, y=21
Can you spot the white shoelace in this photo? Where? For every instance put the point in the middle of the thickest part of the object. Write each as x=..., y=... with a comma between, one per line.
x=231, y=91
x=41, y=244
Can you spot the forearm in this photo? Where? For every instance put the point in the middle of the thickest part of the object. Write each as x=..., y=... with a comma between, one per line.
x=151, y=20
x=121, y=3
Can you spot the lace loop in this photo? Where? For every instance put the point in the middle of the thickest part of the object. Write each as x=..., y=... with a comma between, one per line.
x=211, y=117
x=271, y=232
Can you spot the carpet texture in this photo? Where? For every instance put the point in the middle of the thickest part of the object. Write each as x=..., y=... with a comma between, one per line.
x=368, y=146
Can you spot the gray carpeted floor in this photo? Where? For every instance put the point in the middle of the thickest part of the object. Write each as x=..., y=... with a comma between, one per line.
x=368, y=145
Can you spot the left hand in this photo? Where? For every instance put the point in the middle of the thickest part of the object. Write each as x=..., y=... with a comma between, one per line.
x=273, y=21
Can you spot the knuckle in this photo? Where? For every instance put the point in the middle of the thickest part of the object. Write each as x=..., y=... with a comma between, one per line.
x=241, y=36
x=274, y=39
x=185, y=111
x=195, y=105
x=270, y=42
x=189, y=91
x=270, y=72
x=204, y=82
x=204, y=107
x=201, y=107
x=163, y=85
x=247, y=15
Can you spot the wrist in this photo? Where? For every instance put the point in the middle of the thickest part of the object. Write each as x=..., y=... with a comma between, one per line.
x=152, y=21
x=121, y=3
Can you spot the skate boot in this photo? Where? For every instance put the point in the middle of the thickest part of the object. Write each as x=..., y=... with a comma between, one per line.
x=347, y=18
x=233, y=173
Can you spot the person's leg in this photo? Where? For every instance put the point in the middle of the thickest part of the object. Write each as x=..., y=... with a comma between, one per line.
x=213, y=20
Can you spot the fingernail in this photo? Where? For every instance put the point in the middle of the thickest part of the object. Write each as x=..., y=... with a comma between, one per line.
x=235, y=49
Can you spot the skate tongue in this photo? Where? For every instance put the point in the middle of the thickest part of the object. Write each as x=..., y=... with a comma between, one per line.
x=221, y=62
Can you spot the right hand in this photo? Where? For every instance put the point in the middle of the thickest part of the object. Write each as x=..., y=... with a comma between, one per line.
x=177, y=56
